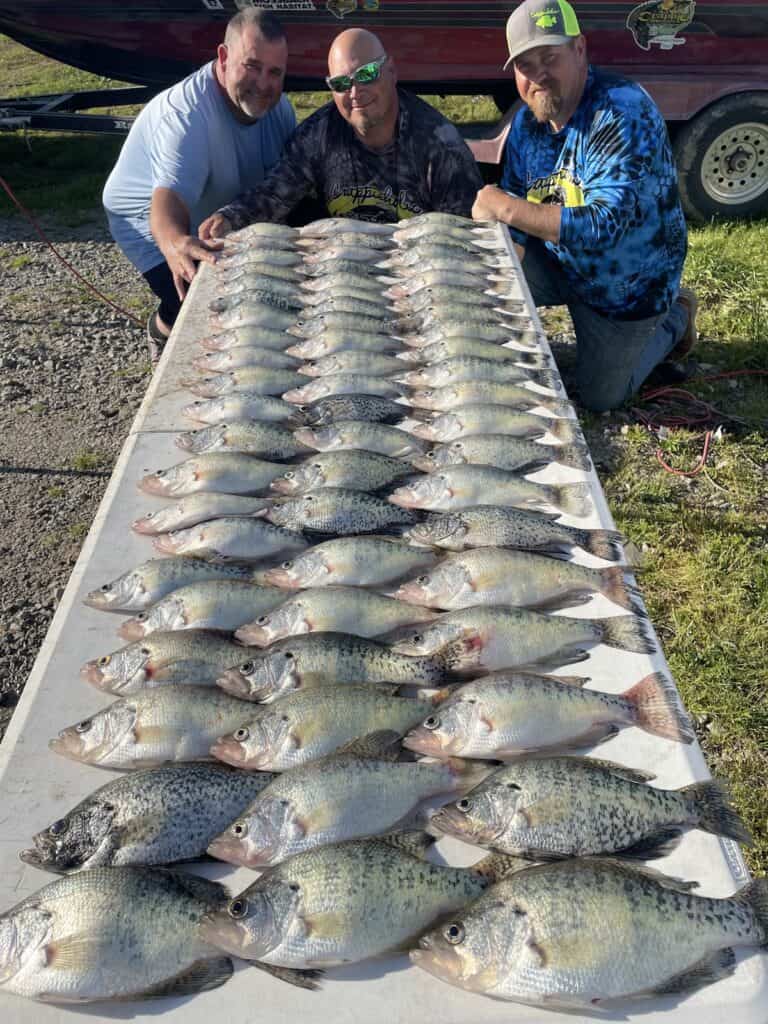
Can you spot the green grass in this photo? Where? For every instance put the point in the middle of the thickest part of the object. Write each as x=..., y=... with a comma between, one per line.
x=704, y=539
x=86, y=461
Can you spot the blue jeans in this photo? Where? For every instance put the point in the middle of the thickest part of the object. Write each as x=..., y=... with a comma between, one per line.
x=613, y=357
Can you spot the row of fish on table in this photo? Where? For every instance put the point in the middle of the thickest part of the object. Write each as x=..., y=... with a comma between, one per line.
x=347, y=653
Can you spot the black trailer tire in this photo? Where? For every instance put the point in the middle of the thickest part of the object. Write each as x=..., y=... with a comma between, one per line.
x=722, y=159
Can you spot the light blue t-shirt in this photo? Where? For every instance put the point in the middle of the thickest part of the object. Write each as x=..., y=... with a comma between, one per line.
x=186, y=139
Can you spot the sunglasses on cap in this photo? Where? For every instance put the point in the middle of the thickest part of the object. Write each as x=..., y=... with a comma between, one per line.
x=366, y=74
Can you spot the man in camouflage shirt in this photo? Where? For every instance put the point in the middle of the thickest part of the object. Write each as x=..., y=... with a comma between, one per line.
x=375, y=153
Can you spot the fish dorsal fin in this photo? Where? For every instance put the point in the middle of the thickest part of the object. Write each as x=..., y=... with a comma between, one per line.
x=383, y=745
x=416, y=843
x=621, y=771
x=665, y=881
x=201, y=888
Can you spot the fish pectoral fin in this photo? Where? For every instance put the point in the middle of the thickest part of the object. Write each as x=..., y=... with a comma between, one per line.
x=326, y=926
x=657, y=844
x=383, y=745
x=202, y=976
x=711, y=967
x=78, y=952
x=416, y=843
x=291, y=975
x=554, y=807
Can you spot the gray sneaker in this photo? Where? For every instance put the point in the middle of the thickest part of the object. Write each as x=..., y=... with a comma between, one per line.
x=155, y=339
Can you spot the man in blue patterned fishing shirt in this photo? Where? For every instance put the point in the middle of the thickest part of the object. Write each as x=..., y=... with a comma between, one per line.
x=589, y=191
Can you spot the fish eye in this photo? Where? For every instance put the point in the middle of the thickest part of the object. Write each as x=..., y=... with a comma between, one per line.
x=141, y=617
x=288, y=656
x=58, y=827
x=294, y=886
x=84, y=726
x=238, y=908
x=433, y=722
x=317, y=465
x=285, y=803
x=464, y=805
x=284, y=718
x=454, y=933
x=160, y=472
x=286, y=565
x=105, y=588
x=145, y=651
x=241, y=734
x=457, y=445
x=247, y=667
x=417, y=638
x=239, y=829
x=105, y=660
x=513, y=785
x=289, y=475
x=262, y=619
x=150, y=515
x=422, y=579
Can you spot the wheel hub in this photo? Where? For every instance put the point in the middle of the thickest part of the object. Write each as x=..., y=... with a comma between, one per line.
x=734, y=169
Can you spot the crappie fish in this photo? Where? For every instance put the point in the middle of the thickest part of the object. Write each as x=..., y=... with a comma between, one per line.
x=549, y=808
x=326, y=658
x=463, y=277
x=113, y=933
x=459, y=369
x=275, y=236
x=352, y=362
x=352, y=469
x=151, y=727
x=503, y=451
x=331, y=304
x=331, y=609
x=258, y=270
x=256, y=380
x=238, y=257
x=267, y=290
x=496, y=392
x=454, y=488
x=502, y=332
x=213, y=604
x=371, y=437
x=228, y=472
x=156, y=816
x=581, y=932
x=507, y=714
x=278, y=317
x=361, y=239
x=350, y=794
x=338, y=510
x=351, y=253
x=315, y=287
x=460, y=347
x=363, y=898
x=251, y=334
x=308, y=327
x=163, y=659
x=330, y=342
x=137, y=589
x=518, y=578
x=328, y=227
x=236, y=307
x=479, y=418
x=409, y=262
x=242, y=405
x=246, y=436
x=244, y=355
x=370, y=408
x=310, y=724
x=194, y=509
x=441, y=298
x=337, y=265
x=354, y=561
x=491, y=526
x=342, y=384
x=244, y=539
x=499, y=637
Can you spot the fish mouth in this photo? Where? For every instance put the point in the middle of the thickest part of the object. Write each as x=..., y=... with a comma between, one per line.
x=222, y=932
x=132, y=629
x=91, y=673
x=254, y=636
x=412, y=593
x=451, y=822
x=229, y=751
x=281, y=578
x=425, y=741
x=66, y=745
x=152, y=484
x=166, y=543
x=233, y=681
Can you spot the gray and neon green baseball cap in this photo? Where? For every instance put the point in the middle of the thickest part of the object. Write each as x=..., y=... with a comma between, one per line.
x=540, y=23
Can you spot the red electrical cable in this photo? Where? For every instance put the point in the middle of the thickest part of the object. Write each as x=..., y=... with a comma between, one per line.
x=41, y=234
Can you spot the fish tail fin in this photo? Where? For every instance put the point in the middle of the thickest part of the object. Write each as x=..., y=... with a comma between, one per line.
x=496, y=866
x=574, y=455
x=565, y=430
x=605, y=544
x=547, y=378
x=532, y=359
x=755, y=895
x=572, y=498
x=657, y=708
x=617, y=588
x=559, y=407
x=628, y=633
x=711, y=805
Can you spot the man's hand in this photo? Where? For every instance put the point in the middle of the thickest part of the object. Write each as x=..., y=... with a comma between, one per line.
x=489, y=203
x=183, y=255
x=214, y=227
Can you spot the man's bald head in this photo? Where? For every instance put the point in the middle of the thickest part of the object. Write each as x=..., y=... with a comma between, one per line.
x=352, y=48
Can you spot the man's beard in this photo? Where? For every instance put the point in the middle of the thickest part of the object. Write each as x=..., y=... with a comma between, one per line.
x=545, y=106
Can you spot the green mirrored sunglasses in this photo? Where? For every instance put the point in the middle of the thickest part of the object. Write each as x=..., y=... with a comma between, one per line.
x=365, y=75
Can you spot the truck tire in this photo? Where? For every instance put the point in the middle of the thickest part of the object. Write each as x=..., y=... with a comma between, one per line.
x=722, y=159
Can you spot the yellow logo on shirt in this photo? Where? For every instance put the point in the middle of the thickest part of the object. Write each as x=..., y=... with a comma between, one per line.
x=558, y=189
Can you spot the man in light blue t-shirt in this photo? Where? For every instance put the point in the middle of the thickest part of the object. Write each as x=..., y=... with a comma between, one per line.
x=190, y=150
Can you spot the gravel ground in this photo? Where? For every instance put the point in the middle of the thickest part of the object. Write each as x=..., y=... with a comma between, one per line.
x=73, y=372
x=72, y=375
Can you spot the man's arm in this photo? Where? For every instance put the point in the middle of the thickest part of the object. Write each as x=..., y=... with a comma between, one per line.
x=541, y=221
x=169, y=224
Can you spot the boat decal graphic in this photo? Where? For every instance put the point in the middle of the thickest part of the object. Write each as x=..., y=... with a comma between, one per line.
x=657, y=22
